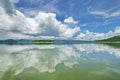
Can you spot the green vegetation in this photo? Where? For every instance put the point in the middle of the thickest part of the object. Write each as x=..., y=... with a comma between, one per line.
x=42, y=42
x=114, y=41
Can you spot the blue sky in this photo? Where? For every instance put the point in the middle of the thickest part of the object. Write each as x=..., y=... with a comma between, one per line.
x=82, y=17
x=84, y=11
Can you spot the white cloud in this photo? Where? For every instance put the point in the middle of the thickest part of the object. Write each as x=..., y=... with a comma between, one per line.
x=97, y=36
x=108, y=13
x=117, y=30
x=105, y=14
x=99, y=13
x=90, y=36
x=14, y=24
x=70, y=20
x=8, y=6
x=40, y=6
x=43, y=24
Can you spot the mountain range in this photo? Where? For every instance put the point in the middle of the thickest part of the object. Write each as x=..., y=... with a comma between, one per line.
x=115, y=39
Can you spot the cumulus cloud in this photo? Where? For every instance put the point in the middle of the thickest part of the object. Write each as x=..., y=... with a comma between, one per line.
x=88, y=35
x=50, y=26
x=8, y=5
x=117, y=30
x=43, y=24
x=14, y=24
x=70, y=20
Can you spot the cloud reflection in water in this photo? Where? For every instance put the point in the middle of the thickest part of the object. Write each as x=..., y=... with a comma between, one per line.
x=45, y=58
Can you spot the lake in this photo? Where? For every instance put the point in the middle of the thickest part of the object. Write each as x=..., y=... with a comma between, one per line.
x=59, y=62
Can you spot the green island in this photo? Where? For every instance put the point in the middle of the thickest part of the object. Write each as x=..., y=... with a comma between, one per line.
x=23, y=42
x=113, y=41
x=41, y=42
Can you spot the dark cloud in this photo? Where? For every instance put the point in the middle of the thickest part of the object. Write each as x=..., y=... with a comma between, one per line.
x=8, y=6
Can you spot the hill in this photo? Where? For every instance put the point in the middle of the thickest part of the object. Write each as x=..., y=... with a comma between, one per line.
x=113, y=41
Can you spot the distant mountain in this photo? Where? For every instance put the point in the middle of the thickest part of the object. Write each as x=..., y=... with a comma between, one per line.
x=23, y=41
x=69, y=41
x=109, y=41
x=12, y=41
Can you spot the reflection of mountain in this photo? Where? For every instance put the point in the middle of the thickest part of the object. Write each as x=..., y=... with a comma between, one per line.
x=45, y=58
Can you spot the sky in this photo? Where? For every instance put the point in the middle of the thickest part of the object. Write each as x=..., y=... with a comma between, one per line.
x=59, y=19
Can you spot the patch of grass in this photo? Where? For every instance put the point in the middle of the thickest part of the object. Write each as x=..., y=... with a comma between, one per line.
x=42, y=42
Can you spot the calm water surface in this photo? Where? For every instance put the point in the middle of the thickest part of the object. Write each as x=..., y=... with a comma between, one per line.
x=59, y=62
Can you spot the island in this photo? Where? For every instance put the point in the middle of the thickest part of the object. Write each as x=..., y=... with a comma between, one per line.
x=41, y=42
x=25, y=41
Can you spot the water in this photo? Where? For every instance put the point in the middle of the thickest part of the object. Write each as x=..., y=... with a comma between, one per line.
x=59, y=62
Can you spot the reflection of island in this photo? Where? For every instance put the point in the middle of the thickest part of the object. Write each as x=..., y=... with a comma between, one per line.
x=46, y=58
